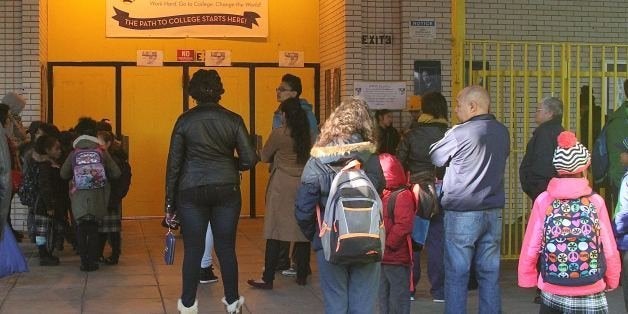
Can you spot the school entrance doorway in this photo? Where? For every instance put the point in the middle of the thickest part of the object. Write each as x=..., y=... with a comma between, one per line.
x=143, y=104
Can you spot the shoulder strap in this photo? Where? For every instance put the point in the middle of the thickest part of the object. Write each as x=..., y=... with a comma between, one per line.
x=392, y=201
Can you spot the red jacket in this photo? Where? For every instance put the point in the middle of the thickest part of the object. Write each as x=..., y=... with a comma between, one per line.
x=398, y=246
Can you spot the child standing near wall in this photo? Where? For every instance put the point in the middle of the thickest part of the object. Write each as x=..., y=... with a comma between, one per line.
x=89, y=166
x=399, y=210
x=569, y=227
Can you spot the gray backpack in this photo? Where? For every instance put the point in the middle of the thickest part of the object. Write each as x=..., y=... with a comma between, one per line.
x=352, y=230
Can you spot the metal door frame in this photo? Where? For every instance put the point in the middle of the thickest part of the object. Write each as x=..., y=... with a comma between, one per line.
x=252, y=66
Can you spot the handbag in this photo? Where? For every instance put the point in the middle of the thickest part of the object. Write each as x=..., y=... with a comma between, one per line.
x=12, y=260
x=170, y=248
x=16, y=180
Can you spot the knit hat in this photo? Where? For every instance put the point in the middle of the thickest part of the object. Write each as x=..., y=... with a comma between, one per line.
x=15, y=101
x=570, y=157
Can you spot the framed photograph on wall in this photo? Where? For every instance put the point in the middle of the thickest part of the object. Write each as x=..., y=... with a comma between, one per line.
x=615, y=95
x=473, y=73
x=427, y=76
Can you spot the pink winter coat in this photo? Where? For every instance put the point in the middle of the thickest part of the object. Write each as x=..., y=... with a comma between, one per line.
x=566, y=188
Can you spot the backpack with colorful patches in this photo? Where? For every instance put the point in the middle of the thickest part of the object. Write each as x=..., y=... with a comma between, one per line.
x=571, y=252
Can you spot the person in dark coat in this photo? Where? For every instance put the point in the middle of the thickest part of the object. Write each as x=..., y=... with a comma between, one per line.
x=414, y=153
x=388, y=136
x=536, y=168
x=203, y=185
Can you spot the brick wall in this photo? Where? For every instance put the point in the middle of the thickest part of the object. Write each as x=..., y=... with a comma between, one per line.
x=20, y=69
x=332, y=46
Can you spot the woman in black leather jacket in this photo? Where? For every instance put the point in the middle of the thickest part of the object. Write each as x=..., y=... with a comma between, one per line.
x=203, y=185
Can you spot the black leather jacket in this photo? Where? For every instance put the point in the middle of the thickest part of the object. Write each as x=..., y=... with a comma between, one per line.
x=202, y=148
x=414, y=149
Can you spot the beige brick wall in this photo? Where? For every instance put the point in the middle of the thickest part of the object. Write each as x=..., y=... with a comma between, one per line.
x=20, y=67
x=332, y=45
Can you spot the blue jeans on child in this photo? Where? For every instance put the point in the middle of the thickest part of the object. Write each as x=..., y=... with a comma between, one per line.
x=393, y=289
x=472, y=236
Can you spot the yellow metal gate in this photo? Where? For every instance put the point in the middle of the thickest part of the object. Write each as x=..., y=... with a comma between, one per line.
x=587, y=77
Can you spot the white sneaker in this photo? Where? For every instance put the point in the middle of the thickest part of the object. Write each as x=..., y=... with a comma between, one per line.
x=291, y=272
x=438, y=301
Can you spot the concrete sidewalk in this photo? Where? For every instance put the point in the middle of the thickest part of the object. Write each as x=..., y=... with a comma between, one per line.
x=141, y=283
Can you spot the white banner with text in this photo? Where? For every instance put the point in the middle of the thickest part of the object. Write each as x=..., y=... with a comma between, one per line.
x=187, y=18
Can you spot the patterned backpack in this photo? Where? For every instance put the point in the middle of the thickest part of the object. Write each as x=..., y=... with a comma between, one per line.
x=571, y=251
x=89, y=170
x=28, y=191
x=352, y=229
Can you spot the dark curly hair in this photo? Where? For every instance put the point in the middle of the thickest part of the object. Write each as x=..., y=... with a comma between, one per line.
x=44, y=143
x=86, y=126
x=206, y=86
x=297, y=123
x=435, y=105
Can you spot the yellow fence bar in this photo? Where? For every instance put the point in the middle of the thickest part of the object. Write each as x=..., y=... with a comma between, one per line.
x=578, y=55
x=562, y=70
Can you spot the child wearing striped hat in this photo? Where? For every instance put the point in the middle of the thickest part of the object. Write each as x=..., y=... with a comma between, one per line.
x=569, y=229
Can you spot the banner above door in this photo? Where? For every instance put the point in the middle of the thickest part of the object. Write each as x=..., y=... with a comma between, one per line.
x=187, y=18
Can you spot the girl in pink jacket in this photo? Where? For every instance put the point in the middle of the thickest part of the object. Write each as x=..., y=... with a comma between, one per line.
x=570, y=231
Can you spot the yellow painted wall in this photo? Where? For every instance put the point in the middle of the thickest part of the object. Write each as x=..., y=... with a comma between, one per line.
x=76, y=32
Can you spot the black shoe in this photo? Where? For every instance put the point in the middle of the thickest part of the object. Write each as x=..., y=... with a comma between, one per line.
x=260, y=285
x=301, y=281
x=48, y=260
x=112, y=260
x=89, y=267
x=207, y=275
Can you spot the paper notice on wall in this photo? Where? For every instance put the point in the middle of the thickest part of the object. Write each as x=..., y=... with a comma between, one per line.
x=381, y=94
x=150, y=58
x=217, y=58
x=422, y=28
x=294, y=59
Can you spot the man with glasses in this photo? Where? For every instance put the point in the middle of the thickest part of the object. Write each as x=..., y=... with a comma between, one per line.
x=536, y=168
x=291, y=87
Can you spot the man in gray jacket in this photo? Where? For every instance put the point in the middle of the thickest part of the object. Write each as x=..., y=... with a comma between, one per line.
x=475, y=153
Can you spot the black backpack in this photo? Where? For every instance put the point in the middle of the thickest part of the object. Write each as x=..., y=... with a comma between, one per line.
x=28, y=190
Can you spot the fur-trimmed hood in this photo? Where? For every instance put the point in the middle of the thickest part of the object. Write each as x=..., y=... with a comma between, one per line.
x=86, y=141
x=335, y=153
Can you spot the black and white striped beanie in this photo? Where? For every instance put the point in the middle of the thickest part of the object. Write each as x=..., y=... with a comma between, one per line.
x=570, y=157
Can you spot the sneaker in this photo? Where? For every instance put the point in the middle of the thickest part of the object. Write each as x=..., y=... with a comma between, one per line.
x=290, y=272
x=438, y=301
x=411, y=298
x=207, y=275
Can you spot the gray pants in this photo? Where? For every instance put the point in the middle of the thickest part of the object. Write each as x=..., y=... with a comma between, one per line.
x=348, y=289
x=394, y=289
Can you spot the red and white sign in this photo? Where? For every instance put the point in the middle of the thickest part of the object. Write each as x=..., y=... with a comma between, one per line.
x=185, y=55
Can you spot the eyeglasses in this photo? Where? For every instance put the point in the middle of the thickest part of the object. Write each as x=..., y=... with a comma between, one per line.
x=282, y=89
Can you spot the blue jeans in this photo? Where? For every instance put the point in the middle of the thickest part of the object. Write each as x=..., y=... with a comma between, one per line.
x=197, y=207
x=472, y=236
x=348, y=289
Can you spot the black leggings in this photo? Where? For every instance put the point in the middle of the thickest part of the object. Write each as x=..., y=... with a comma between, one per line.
x=301, y=256
x=220, y=205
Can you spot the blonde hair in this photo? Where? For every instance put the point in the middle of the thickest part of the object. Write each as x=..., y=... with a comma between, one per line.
x=351, y=117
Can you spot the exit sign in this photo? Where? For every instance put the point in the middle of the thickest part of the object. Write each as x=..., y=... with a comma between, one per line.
x=185, y=55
